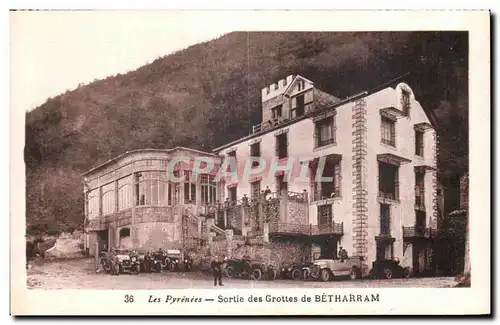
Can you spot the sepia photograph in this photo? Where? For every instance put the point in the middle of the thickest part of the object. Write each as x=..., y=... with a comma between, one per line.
x=162, y=157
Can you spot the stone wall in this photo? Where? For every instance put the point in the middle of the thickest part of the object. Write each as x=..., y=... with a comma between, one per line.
x=275, y=253
x=297, y=212
x=155, y=235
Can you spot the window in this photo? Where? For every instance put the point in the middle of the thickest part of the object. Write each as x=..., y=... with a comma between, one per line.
x=300, y=107
x=93, y=204
x=419, y=190
x=388, y=181
x=282, y=145
x=108, y=198
x=419, y=143
x=277, y=111
x=268, y=90
x=405, y=101
x=325, y=132
x=329, y=189
x=420, y=222
x=325, y=216
x=255, y=152
x=125, y=193
x=388, y=128
x=208, y=189
x=173, y=190
x=281, y=185
x=233, y=196
x=285, y=82
x=385, y=220
x=300, y=85
x=152, y=188
x=275, y=86
x=255, y=188
x=189, y=188
x=125, y=232
x=232, y=155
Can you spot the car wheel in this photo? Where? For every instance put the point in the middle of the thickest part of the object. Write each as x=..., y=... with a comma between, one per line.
x=406, y=273
x=158, y=267
x=171, y=267
x=325, y=275
x=388, y=273
x=296, y=274
x=271, y=274
x=229, y=271
x=354, y=274
x=137, y=269
x=256, y=274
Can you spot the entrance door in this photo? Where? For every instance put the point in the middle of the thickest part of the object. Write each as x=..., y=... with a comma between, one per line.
x=328, y=247
x=102, y=240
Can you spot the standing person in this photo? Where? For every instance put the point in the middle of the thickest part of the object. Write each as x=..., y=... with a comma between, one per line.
x=342, y=254
x=217, y=271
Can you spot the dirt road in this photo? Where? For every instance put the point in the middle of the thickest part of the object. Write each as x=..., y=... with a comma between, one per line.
x=80, y=274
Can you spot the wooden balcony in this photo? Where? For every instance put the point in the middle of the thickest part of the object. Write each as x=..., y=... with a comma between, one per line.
x=334, y=228
x=418, y=233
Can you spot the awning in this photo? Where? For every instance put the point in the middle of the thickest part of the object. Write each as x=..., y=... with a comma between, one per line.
x=422, y=126
x=392, y=113
x=392, y=159
x=424, y=168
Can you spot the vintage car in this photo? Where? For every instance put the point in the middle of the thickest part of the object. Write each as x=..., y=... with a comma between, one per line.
x=295, y=271
x=247, y=268
x=388, y=269
x=174, y=260
x=160, y=260
x=127, y=261
x=327, y=269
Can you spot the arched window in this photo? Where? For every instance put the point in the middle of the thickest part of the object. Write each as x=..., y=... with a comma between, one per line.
x=125, y=193
x=152, y=188
x=93, y=204
x=108, y=198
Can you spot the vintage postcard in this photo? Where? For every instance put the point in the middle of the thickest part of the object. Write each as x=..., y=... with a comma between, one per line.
x=250, y=162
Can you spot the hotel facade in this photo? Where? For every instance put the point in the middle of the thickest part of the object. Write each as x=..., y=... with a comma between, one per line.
x=317, y=173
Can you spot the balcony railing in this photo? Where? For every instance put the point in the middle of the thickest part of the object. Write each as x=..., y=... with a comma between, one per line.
x=333, y=229
x=418, y=232
x=308, y=230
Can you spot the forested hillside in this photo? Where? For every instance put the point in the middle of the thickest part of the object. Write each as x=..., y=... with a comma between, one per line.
x=209, y=94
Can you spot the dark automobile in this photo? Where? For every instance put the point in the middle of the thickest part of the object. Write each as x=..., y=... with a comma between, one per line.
x=127, y=261
x=160, y=260
x=249, y=269
x=295, y=271
x=173, y=260
x=146, y=260
x=388, y=269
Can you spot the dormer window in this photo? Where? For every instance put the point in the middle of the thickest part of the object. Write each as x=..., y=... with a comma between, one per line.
x=275, y=86
x=268, y=90
x=284, y=82
x=405, y=101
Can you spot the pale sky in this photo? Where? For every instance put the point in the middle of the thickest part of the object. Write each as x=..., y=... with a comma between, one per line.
x=52, y=52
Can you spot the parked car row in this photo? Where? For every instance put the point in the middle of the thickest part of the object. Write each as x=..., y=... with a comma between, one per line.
x=143, y=261
x=136, y=261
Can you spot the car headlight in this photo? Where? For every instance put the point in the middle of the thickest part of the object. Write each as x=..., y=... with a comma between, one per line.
x=133, y=259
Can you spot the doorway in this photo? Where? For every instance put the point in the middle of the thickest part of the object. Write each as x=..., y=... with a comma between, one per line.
x=103, y=240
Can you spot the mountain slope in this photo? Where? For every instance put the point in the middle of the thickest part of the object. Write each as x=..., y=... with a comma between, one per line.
x=209, y=94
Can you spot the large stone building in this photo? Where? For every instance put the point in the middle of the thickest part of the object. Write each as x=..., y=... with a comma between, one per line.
x=317, y=173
